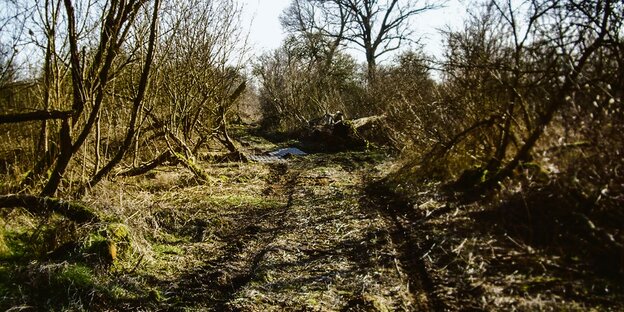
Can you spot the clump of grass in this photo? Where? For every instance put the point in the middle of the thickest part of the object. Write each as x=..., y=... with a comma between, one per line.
x=62, y=286
x=4, y=248
x=168, y=249
x=109, y=245
x=77, y=276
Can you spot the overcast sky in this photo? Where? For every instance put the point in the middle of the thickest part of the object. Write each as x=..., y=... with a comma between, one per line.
x=267, y=34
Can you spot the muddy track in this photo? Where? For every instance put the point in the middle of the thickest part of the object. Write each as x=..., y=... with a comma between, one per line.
x=411, y=246
x=326, y=247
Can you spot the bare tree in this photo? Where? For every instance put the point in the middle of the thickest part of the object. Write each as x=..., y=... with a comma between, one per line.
x=84, y=48
x=90, y=80
x=320, y=25
x=197, y=78
x=53, y=75
x=376, y=26
x=7, y=69
x=298, y=85
x=156, y=77
x=12, y=30
x=514, y=69
x=597, y=24
x=137, y=104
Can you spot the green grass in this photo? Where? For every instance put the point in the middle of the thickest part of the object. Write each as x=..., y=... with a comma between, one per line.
x=77, y=276
x=18, y=242
x=168, y=249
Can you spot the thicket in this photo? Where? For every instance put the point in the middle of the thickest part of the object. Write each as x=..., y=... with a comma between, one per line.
x=303, y=80
x=527, y=102
x=114, y=88
x=93, y=90
x=522, y=86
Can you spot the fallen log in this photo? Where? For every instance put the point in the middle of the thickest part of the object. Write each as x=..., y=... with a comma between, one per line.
x=74, y=211
x=334, y=133
x=195, y=169
x=146, y=167
x=364, y=121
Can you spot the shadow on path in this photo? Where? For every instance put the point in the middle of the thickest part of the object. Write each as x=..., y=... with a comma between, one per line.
x=326, y=248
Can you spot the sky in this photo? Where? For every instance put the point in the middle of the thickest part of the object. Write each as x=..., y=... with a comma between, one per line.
x=263, y=18
x=266, y=32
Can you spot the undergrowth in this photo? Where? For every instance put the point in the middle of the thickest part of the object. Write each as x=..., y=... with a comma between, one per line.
x=548, y=237
x=151, y=227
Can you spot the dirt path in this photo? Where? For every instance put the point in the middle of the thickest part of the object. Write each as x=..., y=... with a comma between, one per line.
x=323, y=247
x=310, y=234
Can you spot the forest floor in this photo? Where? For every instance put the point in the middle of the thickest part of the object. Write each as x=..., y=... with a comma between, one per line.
x=290, y=236
x=312, y=233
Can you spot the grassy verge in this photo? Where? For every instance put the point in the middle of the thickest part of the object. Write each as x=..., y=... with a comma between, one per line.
x=154, y=227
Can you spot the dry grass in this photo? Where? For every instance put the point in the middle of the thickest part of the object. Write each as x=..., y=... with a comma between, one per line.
x=302, y=235
x=162, y=213
x=253, y=237
x=518, y=251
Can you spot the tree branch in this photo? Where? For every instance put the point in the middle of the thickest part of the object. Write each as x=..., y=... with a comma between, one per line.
x=34, y=116
x=40, y=205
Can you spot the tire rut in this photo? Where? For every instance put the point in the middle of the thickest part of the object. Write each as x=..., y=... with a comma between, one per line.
x=411, y=250
x=327, y=247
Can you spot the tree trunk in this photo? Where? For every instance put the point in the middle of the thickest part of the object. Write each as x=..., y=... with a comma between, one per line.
x=138, y=103
x=34, y=116
x=97, y=141
x=225, y=138
x=66, y=152
x=371, y=63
